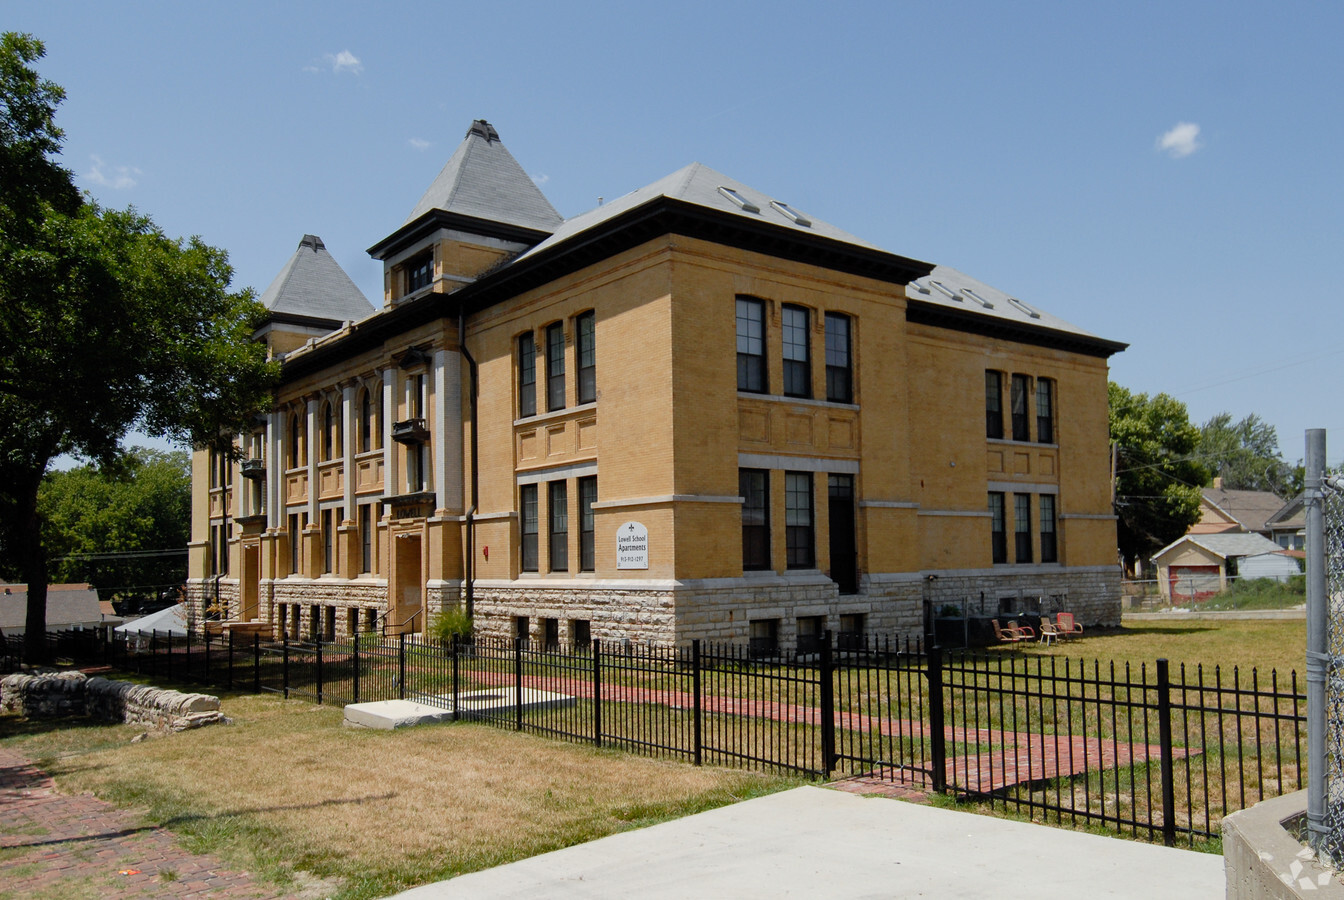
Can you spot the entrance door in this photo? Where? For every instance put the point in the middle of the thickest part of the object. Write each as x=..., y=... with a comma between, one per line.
x=250, y=582
x=844, y=554
x=407, y=586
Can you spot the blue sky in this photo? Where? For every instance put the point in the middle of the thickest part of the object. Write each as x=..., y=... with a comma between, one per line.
x=1168, y=175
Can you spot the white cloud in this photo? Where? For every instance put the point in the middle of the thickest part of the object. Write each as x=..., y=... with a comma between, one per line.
x=539, y=180
x=1180, y=141
x=119, y=179
x=419, y=143
x=345, y=61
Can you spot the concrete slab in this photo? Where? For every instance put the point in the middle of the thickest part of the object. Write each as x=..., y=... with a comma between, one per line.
x=813, y=842
x=390, y=714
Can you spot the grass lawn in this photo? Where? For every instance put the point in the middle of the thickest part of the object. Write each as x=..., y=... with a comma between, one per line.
x=1247, y=644
x=287, y=789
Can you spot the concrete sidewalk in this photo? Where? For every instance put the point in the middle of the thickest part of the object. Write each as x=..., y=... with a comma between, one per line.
x=813, y=842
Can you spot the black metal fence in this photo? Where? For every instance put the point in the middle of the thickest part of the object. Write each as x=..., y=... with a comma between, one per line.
x=1154, y=753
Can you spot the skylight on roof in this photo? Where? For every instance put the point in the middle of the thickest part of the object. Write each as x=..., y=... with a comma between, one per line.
x=944, y=289
x=977, y=298
x=737, y=198
x=791, y=214
x=922, y=288
x=1024, y=308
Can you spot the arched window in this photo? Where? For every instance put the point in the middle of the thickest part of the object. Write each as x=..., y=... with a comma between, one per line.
x=295, y=440
x=379, y=412
x=328, y=430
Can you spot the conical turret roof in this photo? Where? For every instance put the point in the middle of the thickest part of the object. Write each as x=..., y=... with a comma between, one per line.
x=314, y=286
x=483, y=180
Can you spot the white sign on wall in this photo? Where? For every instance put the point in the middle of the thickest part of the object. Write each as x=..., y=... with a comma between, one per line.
x=632, y=546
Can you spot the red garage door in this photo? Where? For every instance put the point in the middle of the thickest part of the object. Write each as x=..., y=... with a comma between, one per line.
x=1194, y=582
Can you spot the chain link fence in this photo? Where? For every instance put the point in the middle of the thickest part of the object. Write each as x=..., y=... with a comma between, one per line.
x=1329, y=836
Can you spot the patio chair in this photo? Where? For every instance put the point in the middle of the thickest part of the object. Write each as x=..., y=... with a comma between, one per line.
x=1049, y=634
x=1028, y=633
x=1066, y=626
x=1008, y=635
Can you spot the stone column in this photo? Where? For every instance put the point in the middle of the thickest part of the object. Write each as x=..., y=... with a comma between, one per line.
x=391, y=473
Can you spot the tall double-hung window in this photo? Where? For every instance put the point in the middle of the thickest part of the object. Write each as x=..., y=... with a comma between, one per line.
x=587, y=523
x=993, y=404
x=1049, y=539
x=527, y=375
x=1021, y=426
x=839, y=371
x=527, y=503
x=557, y=512
x=750, y=345
x=797, y=358
x=555, y=366
x=754, y=486
x=1022, y=526
x=799, y=531
x=586, y=353
x=1045, y=410
x=998, y=528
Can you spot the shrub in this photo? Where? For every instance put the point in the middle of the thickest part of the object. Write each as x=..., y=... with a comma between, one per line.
x=450, y=622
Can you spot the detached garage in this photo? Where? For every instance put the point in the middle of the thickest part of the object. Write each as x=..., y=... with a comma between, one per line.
x=1200, y=565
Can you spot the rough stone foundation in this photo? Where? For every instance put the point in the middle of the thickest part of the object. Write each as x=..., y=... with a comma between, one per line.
x=73, y=694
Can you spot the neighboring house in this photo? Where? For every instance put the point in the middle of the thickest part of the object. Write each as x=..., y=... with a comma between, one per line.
x=692, y=412
x=1248, y=512
x=1288, y=526
x=68, y=606
x=1197, y=566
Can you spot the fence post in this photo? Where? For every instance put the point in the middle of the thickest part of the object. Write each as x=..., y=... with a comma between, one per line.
x=354, y=660
x=206, y=679
x=695, y=701
x=256, y=663
x=230, y=659
x=826, y=673
x=937, y=737
x=518, y=684
x=401, y=666
x=456, y=639
x=284, y=664
x=319, y=671
x=597, y=693
x=154, y=652
x=1319, y=832
x=1164, y=737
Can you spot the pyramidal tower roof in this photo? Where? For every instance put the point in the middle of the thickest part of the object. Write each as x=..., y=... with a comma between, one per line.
x=314, y=286
x=483, y=180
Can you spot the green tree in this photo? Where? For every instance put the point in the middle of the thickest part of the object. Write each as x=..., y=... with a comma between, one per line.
x=1245, y=454
x=1158, y=473
x=105, y=324
x=98, y=521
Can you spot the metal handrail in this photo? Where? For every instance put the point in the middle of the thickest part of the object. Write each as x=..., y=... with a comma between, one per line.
x=384, y=626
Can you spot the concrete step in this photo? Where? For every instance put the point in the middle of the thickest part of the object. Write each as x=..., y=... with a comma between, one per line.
x=390, y=714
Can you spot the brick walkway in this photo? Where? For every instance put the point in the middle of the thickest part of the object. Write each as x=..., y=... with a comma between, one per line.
x=77, y=846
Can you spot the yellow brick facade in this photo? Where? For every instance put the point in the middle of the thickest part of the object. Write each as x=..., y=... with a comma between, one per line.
x=399, y=468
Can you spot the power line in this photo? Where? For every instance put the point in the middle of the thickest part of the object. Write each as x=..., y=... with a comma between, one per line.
x=122, y=554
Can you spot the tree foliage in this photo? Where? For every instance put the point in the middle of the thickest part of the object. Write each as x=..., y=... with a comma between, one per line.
x=1245, y=454
x=98, y=520
x=105, y=324
x=1158, y=471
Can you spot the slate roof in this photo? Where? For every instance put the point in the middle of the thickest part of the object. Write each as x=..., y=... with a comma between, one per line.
x=67, y=604
x=1292, y=515
x=483, y=180
x=955, y=290
x=1251, y=510
x=313, y=285
x=1227, y=545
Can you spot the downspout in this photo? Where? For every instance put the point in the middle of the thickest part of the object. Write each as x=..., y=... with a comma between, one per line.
x=468, y=570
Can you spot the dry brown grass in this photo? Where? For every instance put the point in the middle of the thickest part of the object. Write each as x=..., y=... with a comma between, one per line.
x=288, y=788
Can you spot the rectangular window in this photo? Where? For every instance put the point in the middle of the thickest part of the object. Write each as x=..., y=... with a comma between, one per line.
x=550, y=633
x=295, y=544
x=1045, y=410
x=839, y=374
x=527, y=376
x=750, y=345
x=415, y=467
x=328, y=539
x=587, y=497
x=366, y=538
x=764, y=636
x=798, y=530
x=851, y=632
x=1022, y=526
x=555, y=366
x=993, y=404
x=557, y=514
x=527, y=502
x=1049, y=544
x=419, y=273
x=1021, y=386
x=998, y=528
x=797, y=359
x=580, y=633
x=811, y=633
x=587, y=357
x=417, y=387
x=522, y=628
x=754, y=486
